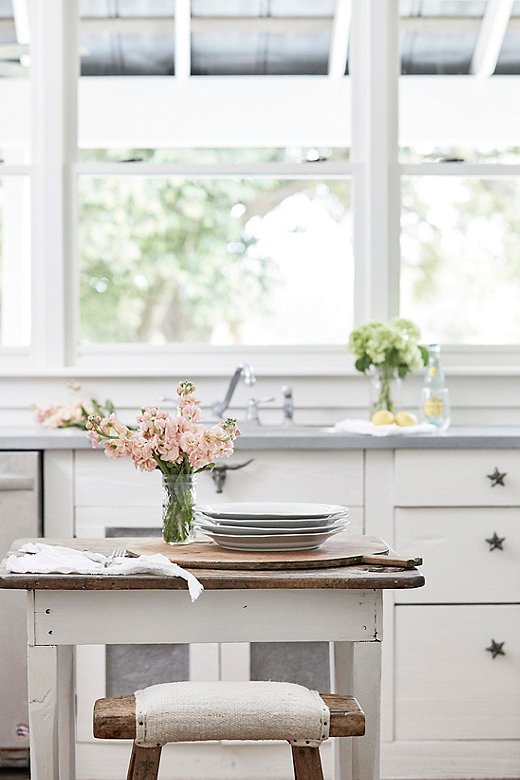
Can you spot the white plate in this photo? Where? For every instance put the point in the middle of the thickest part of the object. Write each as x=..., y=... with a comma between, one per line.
x=245, y=530
x=271, y=510
x=274, y=522
x=271, y=543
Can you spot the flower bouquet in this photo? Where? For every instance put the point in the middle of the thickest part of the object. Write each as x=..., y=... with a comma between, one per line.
x=179, y=446
x=389, y=352
x=74, y=414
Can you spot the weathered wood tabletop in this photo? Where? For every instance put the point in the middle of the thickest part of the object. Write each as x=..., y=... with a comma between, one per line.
x=337, y=577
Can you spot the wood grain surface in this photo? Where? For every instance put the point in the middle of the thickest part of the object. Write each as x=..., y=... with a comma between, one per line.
x=208, y=555
x=333, y=577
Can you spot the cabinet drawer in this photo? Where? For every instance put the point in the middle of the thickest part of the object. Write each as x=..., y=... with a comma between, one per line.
x=456, y=478
x=459, y=564
x=447, y=685
x=281, y=475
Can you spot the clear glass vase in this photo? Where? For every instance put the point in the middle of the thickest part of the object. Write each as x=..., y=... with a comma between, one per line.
x=178, y=508
x=385, y=389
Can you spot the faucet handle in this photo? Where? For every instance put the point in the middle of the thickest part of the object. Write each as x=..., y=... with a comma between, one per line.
x=288, y=405
x=252, y=408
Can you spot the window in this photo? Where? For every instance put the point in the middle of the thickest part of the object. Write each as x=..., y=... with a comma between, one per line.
x=214, y=261
x=459, y=276
x=15, y=278
x=209, y=179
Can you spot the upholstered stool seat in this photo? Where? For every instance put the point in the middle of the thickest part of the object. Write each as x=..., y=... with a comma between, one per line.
x=189, y=712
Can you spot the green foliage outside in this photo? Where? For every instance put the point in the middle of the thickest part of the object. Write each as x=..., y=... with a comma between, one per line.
x=460, y=263
x=166, y=259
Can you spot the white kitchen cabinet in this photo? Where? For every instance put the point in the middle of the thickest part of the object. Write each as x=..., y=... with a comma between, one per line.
x=454, y=703
x=457, y=477
x=20, y=516
x=471, y=554
x=111, y=493
x=448, y=686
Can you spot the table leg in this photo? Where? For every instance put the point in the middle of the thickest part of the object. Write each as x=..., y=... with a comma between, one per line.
x=357, y=671
x=367, y=690
x=341, y=666
x=51, y=712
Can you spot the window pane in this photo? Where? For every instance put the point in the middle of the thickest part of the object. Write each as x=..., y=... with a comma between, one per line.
x=127, y=38
x=452, y=105
x=219, y=261
x=15, y=298
x=460, y=267
x=439, y=37
x=14, y=41
x=251, y=38
x=15, y=125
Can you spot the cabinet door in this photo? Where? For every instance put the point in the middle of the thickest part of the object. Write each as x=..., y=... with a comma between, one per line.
x=448, y=686
x=461, y=561
x=325, y=476
x=457, y=478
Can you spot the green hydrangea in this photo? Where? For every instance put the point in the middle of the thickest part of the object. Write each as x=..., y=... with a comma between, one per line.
x=392, y=345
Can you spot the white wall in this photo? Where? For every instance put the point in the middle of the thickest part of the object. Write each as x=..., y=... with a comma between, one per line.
x=477, y=399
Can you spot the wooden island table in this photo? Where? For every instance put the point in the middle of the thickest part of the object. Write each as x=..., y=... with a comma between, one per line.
x=340, y=604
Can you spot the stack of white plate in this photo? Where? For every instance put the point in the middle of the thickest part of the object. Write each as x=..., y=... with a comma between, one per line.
x=271, y=525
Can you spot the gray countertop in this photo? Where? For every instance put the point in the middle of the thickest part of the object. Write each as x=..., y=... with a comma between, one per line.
x=291, y=438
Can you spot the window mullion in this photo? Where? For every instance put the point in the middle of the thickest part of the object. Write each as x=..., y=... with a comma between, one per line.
x=374, y=70
x=54, y=78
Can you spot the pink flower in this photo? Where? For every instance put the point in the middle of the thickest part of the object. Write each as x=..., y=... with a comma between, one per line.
x=59, y=415
x=170, y=443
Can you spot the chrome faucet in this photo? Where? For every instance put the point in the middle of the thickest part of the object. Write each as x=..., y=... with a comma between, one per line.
x=245, y=370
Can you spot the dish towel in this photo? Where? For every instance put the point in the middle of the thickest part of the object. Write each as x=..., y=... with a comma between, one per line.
x=51, y=559
x=201, y=711
x=351, y=425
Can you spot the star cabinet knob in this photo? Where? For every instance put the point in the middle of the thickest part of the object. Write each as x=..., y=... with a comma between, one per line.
x=497, y=477
x=495, y=648
x=495, y=542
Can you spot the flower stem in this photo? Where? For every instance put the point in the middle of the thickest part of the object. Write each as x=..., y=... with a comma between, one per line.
x=178, y=509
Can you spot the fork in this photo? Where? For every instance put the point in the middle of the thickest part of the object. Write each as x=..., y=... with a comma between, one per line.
x=119, y=551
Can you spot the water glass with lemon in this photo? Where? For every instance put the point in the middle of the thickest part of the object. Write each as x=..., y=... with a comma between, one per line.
x=435, y=397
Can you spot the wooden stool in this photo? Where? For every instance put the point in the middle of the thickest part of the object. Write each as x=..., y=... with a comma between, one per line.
x=114, y=718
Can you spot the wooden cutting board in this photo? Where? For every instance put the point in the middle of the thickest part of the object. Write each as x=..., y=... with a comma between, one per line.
x=208, y=555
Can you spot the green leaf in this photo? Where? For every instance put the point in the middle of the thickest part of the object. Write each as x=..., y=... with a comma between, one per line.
x=363, y=363
x=425, y=353
x=207, y=467
x=97, y=407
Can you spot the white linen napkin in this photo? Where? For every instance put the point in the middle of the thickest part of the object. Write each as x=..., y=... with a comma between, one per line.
x=51, y=559
x=351, y=425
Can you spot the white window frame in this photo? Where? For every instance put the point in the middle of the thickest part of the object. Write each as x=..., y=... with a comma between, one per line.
x=362, y=109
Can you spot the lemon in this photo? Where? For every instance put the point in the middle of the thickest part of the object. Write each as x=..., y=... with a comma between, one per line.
x=405, y=418
x=382, y=417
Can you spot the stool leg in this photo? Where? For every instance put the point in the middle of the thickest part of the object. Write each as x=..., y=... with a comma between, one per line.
x=307, y=763
x=144, y=763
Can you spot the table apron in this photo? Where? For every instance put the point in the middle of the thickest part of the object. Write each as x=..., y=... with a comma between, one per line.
x=64, y=617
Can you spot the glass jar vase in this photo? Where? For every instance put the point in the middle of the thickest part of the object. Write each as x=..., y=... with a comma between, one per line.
x=178, y=508
x=385, y=389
